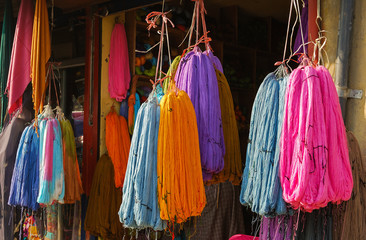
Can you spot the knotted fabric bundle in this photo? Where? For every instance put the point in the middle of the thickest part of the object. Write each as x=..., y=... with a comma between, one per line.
x=119, y=68
x=233, y=165
x=140, y=208
x=118, y=144
x=25, y=180
x=51, y=170
x=73, y=186
x=314, y=161
x=261, y=187
x=101, y=216
x=181, y=193
x=196, y=76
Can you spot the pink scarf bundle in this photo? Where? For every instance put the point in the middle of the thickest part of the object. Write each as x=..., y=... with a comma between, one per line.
x=314, y=161
x=119, y=68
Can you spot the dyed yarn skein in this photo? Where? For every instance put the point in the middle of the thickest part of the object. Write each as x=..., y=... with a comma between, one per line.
x=25, y=180
x=140, y=208
x=181, y=193
x=314, y=164
x=196, y=76
x=261, y=187
x=118, y=144
x=119, y=68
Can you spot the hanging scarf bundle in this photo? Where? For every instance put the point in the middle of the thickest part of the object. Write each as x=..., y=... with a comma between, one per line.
x=100, y=221
x=25, y=180
x=119, y=68
x=133, y=106
x=233, y=166
x=51, y=170
x=139, y=208
x=73, y=186
x=196, y=76
x=181, y=193
x=278, y=228
x=314, y=164
x=118, y=144
x=261, y=187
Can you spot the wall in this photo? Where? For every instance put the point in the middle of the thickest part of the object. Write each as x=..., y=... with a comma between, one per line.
x=356, y=108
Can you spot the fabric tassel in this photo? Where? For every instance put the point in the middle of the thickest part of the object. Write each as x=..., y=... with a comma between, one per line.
x=261, y=187
x=119, y=68
x=73, y=186
x=196, y=75
x=181, y=193
x=118, y=145
x=25, y=179
x=139, y=208
x=171, y=73
x=278, y=228
x=314, y=163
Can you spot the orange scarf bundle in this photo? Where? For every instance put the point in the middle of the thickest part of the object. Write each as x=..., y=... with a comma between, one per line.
x=73, y=187
x=233, y=166
x=181, y=193
x=118, y=144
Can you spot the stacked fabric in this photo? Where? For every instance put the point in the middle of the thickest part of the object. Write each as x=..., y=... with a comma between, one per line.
x=261, y=187
x=181, y=193
x=140, y=208
x=196, y=76
x=314, y=161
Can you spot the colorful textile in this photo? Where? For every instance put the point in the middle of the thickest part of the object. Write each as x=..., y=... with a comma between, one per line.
x=104, y=196
x=19, y=71
x=233, y=167
x=5, y=54
x=73, y=186
x=196, y=75
x=139, y=208
x=171, y=73
x=119, y=68
x=314, y=160
x=9, y=139
x=51, y=170
x=180, y=185
x=40, y=53
x=25, y=179
x=278, y=228
x=261, y=187
x=118, y=145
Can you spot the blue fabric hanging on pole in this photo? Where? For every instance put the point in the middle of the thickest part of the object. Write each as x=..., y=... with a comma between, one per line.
x=261, y=188
x=139, y=208
x=5, y=55
x=25, y=180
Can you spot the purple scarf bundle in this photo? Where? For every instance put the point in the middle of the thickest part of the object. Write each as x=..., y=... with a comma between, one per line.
x=196, y=76
x=278, y=228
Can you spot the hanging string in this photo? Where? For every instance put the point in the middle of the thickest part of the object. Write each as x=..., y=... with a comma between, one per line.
x=297, y=8
x=288, y=29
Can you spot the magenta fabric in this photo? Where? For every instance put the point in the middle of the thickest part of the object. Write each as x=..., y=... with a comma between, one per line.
x=197, y=77
x=314, y=161
x=19, y=70
x=119, y=68
x=48, y=156
x=243, y=237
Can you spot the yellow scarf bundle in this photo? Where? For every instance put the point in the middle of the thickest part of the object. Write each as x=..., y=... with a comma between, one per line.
x=181, y=193
x=118, y=144
x=233, y=166
x=171, y=72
